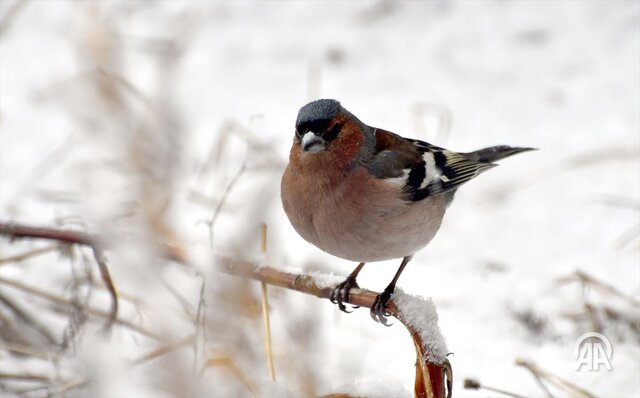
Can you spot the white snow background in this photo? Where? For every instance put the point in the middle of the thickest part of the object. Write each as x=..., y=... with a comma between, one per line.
x=204, y=86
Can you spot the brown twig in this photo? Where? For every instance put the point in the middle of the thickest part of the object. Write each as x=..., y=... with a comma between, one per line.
x=24, y=231
x=431, y=377
x=23, y=377
x=70, y=237
x=101, y=260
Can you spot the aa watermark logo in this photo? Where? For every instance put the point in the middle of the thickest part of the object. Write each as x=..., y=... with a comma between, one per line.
x=593, y=350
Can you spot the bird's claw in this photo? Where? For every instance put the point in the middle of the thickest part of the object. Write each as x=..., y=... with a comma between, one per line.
x=378, y=309
x=340, y=293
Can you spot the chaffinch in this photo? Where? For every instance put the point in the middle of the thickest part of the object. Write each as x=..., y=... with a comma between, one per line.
x=365, y=194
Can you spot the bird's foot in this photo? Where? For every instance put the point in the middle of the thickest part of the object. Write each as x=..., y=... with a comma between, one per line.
x=340, y=293
x=378, y=309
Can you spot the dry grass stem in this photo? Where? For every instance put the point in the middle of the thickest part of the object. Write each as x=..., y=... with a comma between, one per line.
x=23, y=349
x=187, y=307
x=234, y=369
x=544, y=375
x=93, y=311
x=199, y=326
x=265, y=310
x=165, y=349
x=31, y=253
x=588, y=280
x=472, y=384
x=24, y=377
x=69, y=385
x=628, y=236
x=40, y=328
x=227, y=191
x=129, y=88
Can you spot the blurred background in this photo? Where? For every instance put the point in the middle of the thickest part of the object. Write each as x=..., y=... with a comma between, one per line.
x=167, y=121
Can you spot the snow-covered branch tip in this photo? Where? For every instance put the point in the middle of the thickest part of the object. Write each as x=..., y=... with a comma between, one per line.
x=418, y=315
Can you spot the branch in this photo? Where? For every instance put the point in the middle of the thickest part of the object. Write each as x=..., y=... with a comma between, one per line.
x=70, y=237
x=433, y=370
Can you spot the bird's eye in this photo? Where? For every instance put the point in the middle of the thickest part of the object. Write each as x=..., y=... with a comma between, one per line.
x=332, y=133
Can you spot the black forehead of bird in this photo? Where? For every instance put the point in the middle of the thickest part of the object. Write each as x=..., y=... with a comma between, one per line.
x=317, y=115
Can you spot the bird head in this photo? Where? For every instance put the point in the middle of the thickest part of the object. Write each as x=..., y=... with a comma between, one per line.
x=318, y=124
x=325, y=129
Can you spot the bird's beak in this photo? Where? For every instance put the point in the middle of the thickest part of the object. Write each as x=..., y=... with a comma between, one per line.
x=312, y=143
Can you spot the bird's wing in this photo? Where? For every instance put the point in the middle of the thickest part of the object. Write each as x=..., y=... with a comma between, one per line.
x=419, y=168
x=393, y=155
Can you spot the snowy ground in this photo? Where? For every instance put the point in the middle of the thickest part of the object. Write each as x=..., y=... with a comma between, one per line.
x=211, y=86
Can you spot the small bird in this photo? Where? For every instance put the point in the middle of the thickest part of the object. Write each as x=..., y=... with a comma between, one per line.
x=365, y=194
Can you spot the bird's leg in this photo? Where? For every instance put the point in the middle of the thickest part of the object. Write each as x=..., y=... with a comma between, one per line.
x=378, y=312
x=341, y=292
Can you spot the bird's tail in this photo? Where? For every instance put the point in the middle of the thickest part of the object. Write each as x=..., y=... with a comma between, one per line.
x=494, y=153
